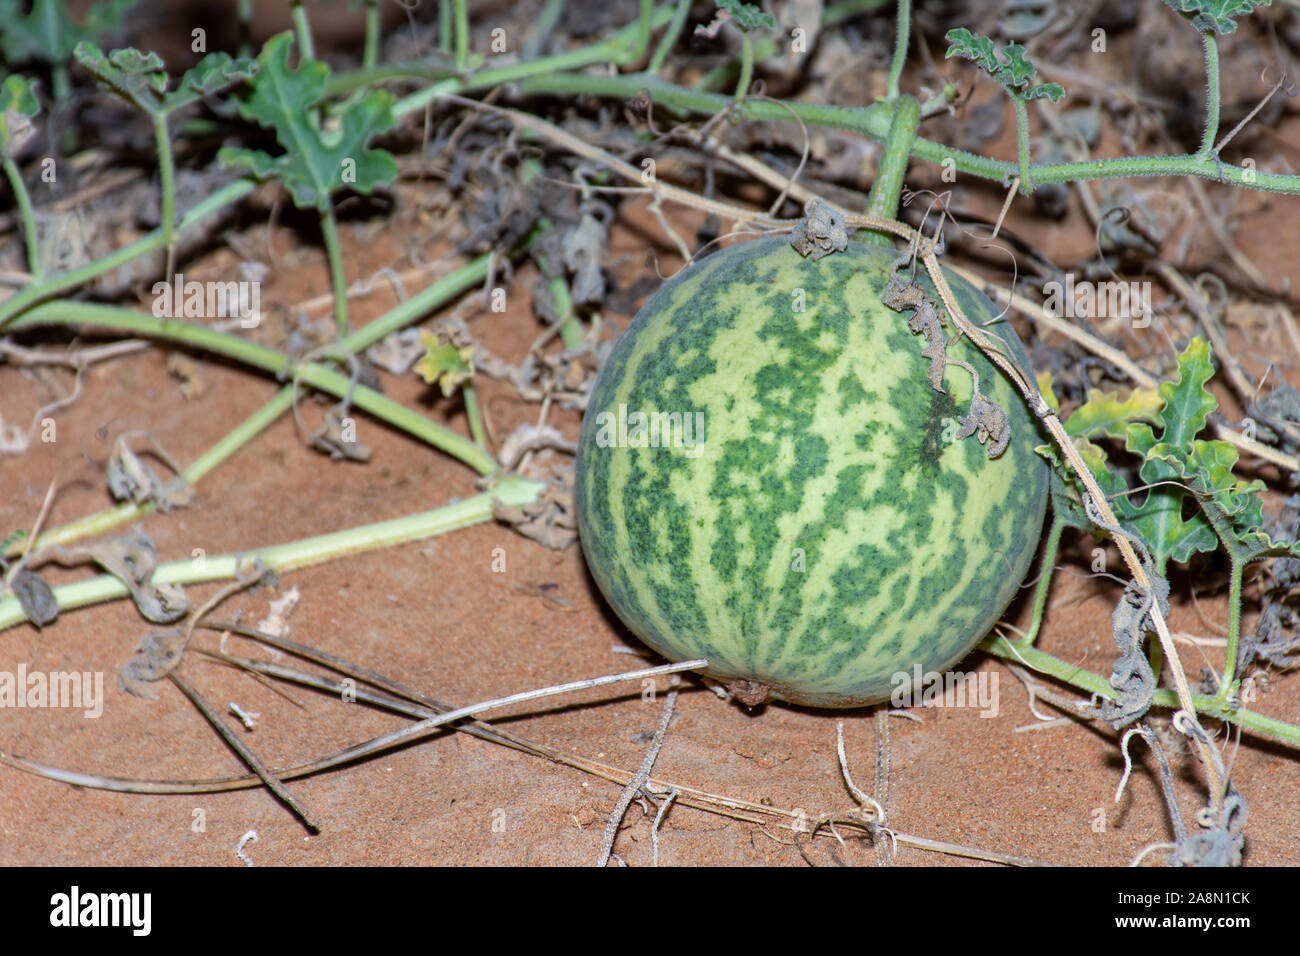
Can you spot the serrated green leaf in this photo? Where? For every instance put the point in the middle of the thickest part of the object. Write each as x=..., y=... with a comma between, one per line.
x=747, y=16
x=1176, y=466
x=48, y=33
x=142, y=79
x=18, y=104
x=1106, y=414
x=315, y=163
x=212, y=74
x=1188, y=403
x=1187, y=406
x=139, y=77
x=1012, y=69
x=1216, y=15
x=1015, y=67
x=973, y=47
x=1234, y=506
x=1051, y=92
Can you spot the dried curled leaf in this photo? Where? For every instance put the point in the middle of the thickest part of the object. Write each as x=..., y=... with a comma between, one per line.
x=1222, y=841
x=552, y=519
x=820, y=232
x=130, y=479
x=35, y=597
x=583, y=246
x=132, y=560
x=989, y=423
x=1131, y=674
x=158, y=655
x=337, y=437
x=903, y=292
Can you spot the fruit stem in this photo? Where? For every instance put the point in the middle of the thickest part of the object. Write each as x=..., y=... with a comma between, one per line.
x=1050, y=548
x=888, y=187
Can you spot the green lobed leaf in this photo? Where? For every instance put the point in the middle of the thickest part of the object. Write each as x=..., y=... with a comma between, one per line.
x=314, y=163
x=142, y=79
x=1235, y=508
x=1216, y=15
x=1013, y=69
x=747, y=16
x=1045, y=91
x=1106, y=414
x=973, y=47
x=48, y=33
x=1176, y=466
x=139, y=77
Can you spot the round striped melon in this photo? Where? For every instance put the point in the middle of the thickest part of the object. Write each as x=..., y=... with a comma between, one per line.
x=766, y=479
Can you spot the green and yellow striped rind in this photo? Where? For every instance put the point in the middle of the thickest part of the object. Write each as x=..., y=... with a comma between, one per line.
x=830, y=532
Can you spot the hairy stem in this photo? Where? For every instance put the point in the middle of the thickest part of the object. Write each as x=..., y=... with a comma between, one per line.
x=746, y=67
x=882, y=203
x=901, y=38
x=1211, y=95
x=1227, y=684
x=1051, y=546
x=462, y=35
x=874, y=121
x=1022, y=145
x=370, y=55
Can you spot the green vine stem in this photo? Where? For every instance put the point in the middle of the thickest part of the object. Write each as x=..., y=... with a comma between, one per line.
x=727, y=71
x=669, y=39
x=1051, y=546
x=425, y=301
x=882, y=202
x=73, y=278
x=167, y=182
x=474, y=414
x=901, y=40
x=101, y=522
x=570, y=325
x=462, y=35
x=1211, y=95
x=612, y=50
x=542, y=28
x=1228, y=685
x=874, y=121
x=444, y=26
x=511, y=490
x=302, y=29
x=90, y=315
x=24, y=201
x=746, y=67
x=370, y=55
x=1022, y=145
x=334, y=254
x=1087, y=681
x=641, y=39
